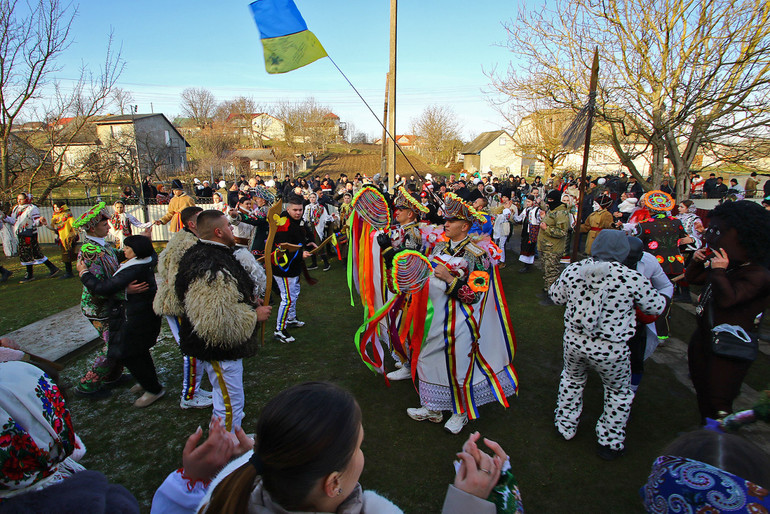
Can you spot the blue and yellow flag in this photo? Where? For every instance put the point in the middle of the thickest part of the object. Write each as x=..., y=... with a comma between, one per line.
x=287, y=42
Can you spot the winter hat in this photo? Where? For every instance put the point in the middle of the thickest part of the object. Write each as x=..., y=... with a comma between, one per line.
x=176, y=184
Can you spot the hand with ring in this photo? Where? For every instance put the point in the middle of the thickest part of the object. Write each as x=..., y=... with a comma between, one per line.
x=479, y=472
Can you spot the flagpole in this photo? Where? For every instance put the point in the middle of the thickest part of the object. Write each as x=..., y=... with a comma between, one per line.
x=583, y=172
x=392, y=95
x=384, y=140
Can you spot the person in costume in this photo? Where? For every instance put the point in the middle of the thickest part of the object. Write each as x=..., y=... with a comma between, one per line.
x=134, y=327
x=644, y=341
x=316, y=218
x=287, y=266
x=503, y=216
x=661, y=235
x=8, y=239
x=121, y=221
x=598, y=220
x=466, y=359
x=166, y=303
x=737, y=290
x=530, y=219
x=178, y=202
x=407, y=211
x=66, y=236
x=218, y=204
x=601, y=294
x=552, y=240
x=210, y=282
x=102, y=260
x=26, y=218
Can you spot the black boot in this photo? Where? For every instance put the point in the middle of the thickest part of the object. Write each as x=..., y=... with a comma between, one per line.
x=4, y=274
x=53, y=270
x=525, y=269
x=30, y=276
x=67, y=271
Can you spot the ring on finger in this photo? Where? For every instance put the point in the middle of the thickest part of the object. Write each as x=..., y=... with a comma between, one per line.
x=485, y=471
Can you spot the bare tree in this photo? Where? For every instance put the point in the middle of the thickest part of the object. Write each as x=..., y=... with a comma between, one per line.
x=439, y=131
x=122, y=100
x=306, y=124
x=32, y=37
x=198, y=104
x=537, y=133
x=674, y=76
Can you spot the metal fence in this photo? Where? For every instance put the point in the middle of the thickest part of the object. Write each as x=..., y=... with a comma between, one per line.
x=154, y=212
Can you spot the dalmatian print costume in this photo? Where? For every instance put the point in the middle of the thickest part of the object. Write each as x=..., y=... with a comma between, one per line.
x=600, y=297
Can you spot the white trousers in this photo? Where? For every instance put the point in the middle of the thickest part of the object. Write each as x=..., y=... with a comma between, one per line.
x=613, y=363
x=500, y=242
x=229, y=397
x=289, y=289
x=192, y=368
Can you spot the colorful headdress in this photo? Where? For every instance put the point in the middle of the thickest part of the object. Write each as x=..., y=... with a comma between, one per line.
x=91, y=217
x=455, y=207
x=262, y=192
x=657, y=201
x=405, y=200
x=370, y=204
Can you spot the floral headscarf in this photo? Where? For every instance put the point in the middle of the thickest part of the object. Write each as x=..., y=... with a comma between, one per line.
x=36, y=433
x=677, y=484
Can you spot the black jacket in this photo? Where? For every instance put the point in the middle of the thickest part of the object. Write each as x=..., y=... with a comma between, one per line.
x=134, y=326
x=290, y=265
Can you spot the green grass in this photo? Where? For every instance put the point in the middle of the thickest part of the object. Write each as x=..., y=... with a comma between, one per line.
x=409, y=462
x=23, y=304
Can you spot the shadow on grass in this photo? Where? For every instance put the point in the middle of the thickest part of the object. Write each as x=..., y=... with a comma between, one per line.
x=409, y=462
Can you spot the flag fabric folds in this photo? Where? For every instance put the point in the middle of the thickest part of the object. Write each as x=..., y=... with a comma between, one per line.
x=286, y=41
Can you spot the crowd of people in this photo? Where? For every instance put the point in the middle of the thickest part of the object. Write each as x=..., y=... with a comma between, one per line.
x=426, y=241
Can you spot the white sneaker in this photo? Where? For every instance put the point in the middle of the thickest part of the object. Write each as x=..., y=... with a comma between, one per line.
x=456, y=423
x=400, y=374
x=204, y=393
x=198, y=402
x=283, y=336
x=295, y=323
x=421, y=414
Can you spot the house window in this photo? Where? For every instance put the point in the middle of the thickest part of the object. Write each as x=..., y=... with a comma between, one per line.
x=168, y=138
x=503, y=140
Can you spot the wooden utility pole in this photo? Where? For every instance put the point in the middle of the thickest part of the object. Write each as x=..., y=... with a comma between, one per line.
x=392, y=96
x=384, y=140
x=582, y=185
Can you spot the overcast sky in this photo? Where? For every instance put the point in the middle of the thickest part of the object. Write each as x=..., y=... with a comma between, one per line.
x=169, y=45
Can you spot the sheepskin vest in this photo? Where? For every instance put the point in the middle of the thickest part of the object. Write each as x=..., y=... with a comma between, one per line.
x=219, y=321
x=166, y=302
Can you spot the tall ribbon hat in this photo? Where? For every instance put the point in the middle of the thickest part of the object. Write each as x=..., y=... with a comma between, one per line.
x=456, y=208
x=405, y=200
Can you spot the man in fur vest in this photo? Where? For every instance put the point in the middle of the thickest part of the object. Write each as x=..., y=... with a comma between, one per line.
x=167, y=304
x=221, y=314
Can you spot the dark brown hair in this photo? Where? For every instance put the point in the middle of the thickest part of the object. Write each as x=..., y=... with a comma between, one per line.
x=189, y=213
x=728, y=452
x=303, y=434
